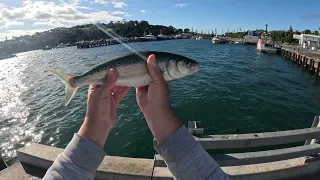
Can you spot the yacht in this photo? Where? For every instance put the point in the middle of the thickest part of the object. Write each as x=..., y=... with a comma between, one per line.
x=162, y=36
x=149, y=37
x=216, y=40
x=199, y=38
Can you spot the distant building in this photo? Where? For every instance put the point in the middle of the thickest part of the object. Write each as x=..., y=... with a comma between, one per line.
x=251, y=37
x=13, y=38
x=308, y=40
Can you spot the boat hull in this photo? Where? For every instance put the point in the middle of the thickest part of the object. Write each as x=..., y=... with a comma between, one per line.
x=216, y=41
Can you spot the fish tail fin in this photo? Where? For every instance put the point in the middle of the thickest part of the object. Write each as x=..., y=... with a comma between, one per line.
x=70, y=88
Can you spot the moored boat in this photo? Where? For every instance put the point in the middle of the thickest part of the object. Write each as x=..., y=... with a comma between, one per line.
x=216, y=40
x=266, y=47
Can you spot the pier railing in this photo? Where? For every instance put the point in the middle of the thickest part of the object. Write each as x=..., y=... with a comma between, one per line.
x=279, y=163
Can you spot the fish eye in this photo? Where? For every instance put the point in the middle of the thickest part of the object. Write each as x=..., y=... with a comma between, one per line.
x=189, y=65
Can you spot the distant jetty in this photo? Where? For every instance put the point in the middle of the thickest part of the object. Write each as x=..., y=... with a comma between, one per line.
x=107, y=42
x=308, y=59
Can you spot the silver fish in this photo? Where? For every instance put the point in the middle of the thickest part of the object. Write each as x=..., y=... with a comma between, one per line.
x=131, y=70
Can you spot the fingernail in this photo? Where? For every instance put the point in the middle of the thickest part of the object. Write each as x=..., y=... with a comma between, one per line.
x=111, y=72
x=153, y=60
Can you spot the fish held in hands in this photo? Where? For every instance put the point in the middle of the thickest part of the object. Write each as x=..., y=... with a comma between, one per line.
x=131, y=70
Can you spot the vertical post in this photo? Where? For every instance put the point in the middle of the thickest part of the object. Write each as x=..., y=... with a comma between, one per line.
x=315, y=123
x=318, y=67
x=312, y=64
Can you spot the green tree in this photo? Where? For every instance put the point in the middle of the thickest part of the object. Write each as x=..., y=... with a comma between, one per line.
x=179, y=31
x=316, y=33
x=307, y=31
x=186, y=30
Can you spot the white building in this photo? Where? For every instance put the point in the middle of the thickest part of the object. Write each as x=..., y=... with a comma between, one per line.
x=308, y=40
x=251, y=37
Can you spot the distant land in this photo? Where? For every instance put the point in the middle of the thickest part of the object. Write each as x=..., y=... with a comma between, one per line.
x=89, y=32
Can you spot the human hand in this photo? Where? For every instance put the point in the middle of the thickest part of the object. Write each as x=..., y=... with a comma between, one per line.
x=102, y=106
x=154, y=102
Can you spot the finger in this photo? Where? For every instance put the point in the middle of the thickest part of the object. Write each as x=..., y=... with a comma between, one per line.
x=109, y=82
x=142, y=94
x=121, y=94
x=93, y=88
x=154, y=71
x=116, y=89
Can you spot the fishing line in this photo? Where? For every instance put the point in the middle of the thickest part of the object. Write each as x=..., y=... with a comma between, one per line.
x=113, y=35
x=118, y=39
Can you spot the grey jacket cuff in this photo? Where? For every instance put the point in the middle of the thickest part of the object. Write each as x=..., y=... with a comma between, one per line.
x=174, y=147
x=84, y=153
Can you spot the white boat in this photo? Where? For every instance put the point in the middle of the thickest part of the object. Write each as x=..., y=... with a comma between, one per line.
x=216, y=40
x=199, y=38
x=164, y=37
x=149, y=37
x=61, y=45
x=266, y=47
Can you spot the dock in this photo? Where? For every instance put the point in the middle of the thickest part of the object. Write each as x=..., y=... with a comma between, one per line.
x=297, y=162
x=308, y=59
x=108, y=42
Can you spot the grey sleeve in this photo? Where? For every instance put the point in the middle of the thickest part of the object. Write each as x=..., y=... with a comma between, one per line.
x=79, y=160
x=187, y=160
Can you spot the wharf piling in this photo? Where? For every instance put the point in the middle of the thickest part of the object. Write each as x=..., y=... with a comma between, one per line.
x=306, y=58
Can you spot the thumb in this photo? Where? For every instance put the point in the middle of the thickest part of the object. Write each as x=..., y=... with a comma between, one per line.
x=154, y=71
x=110, y=80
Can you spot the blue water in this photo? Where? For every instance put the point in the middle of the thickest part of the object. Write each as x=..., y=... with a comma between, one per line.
x=236, y=87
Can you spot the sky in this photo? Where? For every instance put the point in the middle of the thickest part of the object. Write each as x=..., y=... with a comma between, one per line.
x=20, y=17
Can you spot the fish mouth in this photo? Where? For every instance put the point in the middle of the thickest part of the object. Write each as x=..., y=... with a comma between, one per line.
x=195, y=69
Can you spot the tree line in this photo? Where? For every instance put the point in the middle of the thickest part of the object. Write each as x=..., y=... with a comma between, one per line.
x=85, y=32
x=89, y=32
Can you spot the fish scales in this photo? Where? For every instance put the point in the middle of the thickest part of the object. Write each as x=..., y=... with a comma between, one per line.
x=131, y=70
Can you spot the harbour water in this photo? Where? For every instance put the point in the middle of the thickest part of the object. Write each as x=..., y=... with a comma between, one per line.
x=236, y=87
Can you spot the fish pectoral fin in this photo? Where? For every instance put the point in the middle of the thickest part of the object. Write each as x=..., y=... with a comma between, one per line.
x=70, y=88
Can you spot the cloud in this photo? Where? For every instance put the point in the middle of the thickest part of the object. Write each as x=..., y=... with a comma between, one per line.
x=101, y=1
x=143, y=11
x=118, y=12
x=121, y=13
x=181, y=5
x=10, y=24
x=54, y=14
x=10, y=33
x=118, y=4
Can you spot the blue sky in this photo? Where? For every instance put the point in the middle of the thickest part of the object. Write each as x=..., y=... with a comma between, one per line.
x=28, y=16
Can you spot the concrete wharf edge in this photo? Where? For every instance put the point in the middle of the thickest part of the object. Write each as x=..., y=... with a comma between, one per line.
x=308, y=59
x=114, y=167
